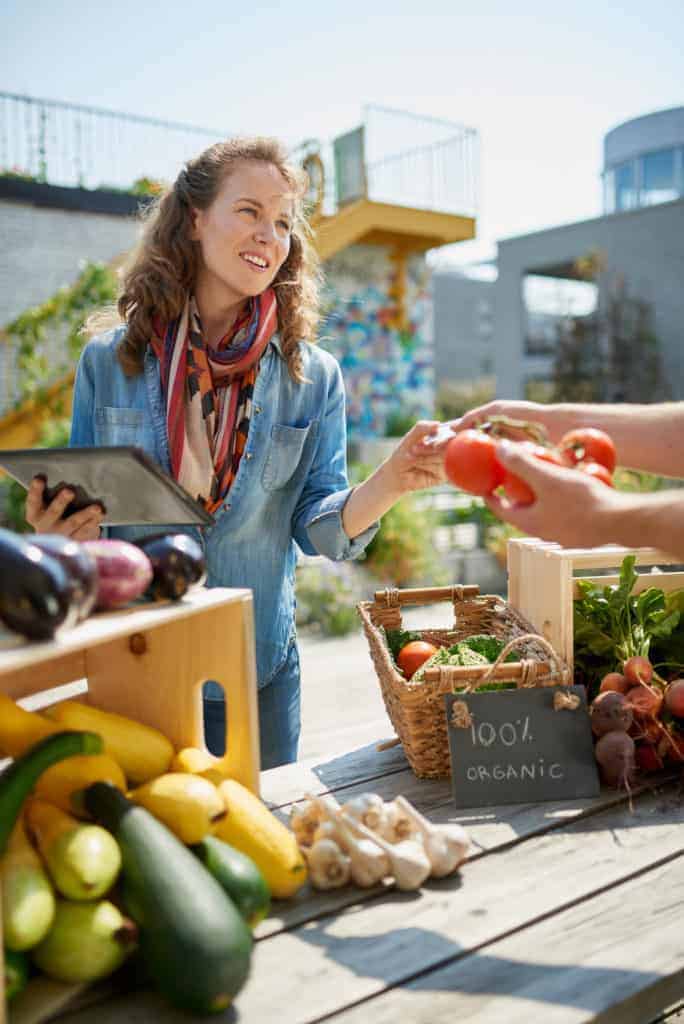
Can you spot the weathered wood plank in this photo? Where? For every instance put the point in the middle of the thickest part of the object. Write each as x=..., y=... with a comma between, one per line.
x=617, y=958
x=288, y=783
x=494, y=828
x=328, y=965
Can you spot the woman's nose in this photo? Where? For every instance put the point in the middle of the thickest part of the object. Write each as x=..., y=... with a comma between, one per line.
x=265, y=231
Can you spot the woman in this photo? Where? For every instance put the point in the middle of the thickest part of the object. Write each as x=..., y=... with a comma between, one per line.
x=213, y=372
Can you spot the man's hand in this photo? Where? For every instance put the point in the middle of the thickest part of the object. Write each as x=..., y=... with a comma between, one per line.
x=570, y=507
x=83, y=525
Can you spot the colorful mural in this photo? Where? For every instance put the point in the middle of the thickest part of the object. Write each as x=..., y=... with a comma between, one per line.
x=388, y=371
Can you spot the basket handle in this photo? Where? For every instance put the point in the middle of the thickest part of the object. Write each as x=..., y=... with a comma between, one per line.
x=390, y=597
x=528, y=672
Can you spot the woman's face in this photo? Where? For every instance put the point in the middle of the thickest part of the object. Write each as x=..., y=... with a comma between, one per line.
x=244, y=236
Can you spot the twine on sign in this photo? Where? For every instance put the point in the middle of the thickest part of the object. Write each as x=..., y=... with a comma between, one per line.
x=460, y=715
x=565, y=701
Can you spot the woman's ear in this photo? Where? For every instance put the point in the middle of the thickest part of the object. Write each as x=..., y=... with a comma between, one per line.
x=194, y=224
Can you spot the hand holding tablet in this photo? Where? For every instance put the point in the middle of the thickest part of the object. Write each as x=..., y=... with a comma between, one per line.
x=109, y=486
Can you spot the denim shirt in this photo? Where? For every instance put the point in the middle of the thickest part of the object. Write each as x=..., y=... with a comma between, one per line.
x=291, y=485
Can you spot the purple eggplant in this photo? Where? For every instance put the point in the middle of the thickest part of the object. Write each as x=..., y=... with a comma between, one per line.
x=36, y=597
x=79, y=565
x=178, y=564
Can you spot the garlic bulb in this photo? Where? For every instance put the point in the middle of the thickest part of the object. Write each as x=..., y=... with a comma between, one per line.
x=329, y=867
x=369, y=809
x=446, y=846
x=329, y=830
x=369, y=865
x=304, y=819
x=397, y=824
x=408, y=861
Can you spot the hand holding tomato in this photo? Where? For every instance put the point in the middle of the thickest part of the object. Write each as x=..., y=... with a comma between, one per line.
x=570, y=507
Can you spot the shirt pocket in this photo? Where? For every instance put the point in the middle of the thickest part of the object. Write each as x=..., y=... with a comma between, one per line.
x=284, y=454
x=119, y=426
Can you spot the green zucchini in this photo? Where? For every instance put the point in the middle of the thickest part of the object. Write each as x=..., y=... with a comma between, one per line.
x=193, y=941
x=19, y=778
x=239, y=876
x=17, y=969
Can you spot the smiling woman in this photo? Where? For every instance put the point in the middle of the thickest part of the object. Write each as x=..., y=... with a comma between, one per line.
x=211, y=356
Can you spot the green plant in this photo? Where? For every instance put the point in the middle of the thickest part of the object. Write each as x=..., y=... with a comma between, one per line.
x=400, y=421
x=456, y=398
x=326, y=598
x=402, y=551
x=54, y=434
x=66, y=311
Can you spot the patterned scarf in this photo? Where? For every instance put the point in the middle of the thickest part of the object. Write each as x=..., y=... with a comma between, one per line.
x=209, y=394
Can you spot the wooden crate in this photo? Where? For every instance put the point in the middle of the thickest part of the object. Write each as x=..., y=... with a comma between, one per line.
x=147, y=662
x=542, y=581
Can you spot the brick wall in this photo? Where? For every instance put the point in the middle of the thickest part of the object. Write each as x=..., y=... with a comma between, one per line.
x=41, y=249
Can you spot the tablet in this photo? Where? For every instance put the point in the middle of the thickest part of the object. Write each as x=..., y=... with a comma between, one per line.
x=131, y=487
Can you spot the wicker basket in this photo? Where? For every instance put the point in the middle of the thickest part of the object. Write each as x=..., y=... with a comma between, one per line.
x=416, y=710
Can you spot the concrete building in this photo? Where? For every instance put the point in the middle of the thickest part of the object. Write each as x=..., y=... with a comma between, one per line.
x=464, y=326
x=640, y=238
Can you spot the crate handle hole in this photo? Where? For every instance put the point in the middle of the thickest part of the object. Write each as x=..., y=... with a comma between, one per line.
x=215, y=717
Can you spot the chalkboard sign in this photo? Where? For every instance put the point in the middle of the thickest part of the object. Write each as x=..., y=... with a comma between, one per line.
x=516, y=748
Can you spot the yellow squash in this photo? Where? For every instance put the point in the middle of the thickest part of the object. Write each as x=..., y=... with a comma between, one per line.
x=185, y=803
x=249, y=826
x=28, y=900
x=142, y=752
x=62, y=780
x=199, y=762
x=20, y=729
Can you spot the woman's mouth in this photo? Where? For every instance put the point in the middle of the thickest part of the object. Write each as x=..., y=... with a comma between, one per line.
x=257, y=263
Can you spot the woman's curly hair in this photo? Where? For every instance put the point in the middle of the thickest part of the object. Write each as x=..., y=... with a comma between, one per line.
x=163, y=266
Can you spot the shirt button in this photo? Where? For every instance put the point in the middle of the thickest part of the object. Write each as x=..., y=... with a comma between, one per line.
x=227, y=505
x=248, y=455
x=257, y=408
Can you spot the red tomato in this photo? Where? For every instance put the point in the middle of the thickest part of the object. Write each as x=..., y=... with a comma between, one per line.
x=413, y=655
x=470, y=462
x=518, y=491
x=588, y=443
x=596, y=470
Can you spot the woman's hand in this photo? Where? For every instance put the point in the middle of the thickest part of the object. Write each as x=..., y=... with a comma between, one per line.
x=569, y=507
x=83, y=525
x=418, y=461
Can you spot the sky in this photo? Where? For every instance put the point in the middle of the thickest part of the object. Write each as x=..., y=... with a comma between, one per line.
x=541, y=82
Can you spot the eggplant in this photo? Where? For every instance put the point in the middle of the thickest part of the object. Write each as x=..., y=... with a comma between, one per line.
x=79, y=565
x=123, y=571
x=36, y=597
x=178, y=564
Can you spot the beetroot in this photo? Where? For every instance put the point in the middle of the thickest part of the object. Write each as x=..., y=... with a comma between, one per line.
x=638, y=669
x=614, y=681
x=674, y=697
x=645, y=701
x=648, y=759
x=124, y=571
x=610, y=711
x=615, y=754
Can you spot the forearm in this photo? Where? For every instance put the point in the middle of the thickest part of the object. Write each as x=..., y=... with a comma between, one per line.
x=369, y=501
x=647, y=437
x=646, y=520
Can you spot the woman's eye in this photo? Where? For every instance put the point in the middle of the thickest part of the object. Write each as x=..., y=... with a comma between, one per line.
x=247, y=209
x=285, y=224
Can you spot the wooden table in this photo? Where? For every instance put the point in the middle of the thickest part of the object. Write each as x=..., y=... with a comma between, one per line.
x=564, y=913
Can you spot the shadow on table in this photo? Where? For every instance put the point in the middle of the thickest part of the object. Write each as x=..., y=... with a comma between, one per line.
x=390, y=957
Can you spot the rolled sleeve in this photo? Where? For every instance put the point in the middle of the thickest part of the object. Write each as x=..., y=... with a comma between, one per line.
x=327, y=534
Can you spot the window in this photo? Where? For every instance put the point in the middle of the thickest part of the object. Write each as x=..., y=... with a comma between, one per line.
x=658, y=178
x=625, y=186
